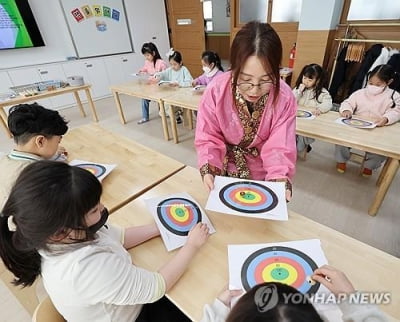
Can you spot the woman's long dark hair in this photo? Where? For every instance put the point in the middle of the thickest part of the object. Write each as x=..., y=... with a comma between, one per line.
x=48, y=198
x=274, y=302
x=261, y=40
x=150, y=48
x=314, y=71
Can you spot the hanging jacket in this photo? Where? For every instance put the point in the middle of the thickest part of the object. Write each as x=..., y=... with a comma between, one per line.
x=394, y=61
x=340, y=72
x=370, y=57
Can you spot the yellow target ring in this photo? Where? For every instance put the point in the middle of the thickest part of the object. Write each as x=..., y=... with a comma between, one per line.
x=241, y=196
x=179, y=213
x=267, y=273
x=92, y=171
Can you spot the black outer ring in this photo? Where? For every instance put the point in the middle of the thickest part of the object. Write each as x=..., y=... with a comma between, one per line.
x=228, y=204
x=313, y=288
x=166, y=225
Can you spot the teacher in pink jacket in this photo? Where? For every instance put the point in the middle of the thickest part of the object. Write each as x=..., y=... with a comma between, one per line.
x=247, y=117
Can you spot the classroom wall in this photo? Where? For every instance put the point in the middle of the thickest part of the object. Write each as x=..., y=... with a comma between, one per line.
x=221, y=22
x=147, y=22
x=52, y=26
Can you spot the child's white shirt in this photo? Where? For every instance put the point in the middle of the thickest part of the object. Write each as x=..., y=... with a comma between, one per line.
x=96, y=281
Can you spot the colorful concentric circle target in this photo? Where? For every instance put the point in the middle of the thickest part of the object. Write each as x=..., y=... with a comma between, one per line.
x=96, y=169
x=280, y=264
x=178, y=215
x=357, y=122
x=248, y=197
x=303, y=114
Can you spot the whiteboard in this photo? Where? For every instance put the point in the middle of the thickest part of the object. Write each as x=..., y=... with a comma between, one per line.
x=97, y=27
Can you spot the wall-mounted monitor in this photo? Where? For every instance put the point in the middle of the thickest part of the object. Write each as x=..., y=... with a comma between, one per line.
x=18, y=28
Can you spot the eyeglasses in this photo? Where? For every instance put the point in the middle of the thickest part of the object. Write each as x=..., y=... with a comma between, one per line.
x=263, y=86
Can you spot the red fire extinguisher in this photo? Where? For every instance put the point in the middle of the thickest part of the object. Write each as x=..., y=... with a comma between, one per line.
x=292, y=56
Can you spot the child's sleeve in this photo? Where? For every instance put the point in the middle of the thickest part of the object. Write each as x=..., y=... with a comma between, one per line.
x=215, y=312
x=349, y=104
x=187, y=78
x=393, y=114
x=162, y=75
x=143, y=69
x=201, y=80
x=160, y=65
x=326, y=101
x=122, y=283
x=297, y=93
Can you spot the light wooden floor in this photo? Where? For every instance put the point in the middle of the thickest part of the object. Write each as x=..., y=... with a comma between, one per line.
x=339, y=201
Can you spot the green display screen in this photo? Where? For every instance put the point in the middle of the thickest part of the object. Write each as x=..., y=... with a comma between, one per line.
x=18, y=28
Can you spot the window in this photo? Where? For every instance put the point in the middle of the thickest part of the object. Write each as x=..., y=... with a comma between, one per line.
x=207, y=13
x=286, y=10
x=374, y=10
x=253, y=10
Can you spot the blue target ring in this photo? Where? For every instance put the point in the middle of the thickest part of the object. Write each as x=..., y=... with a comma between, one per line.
x=303, y=114
x=295, y=267
x=178, y=215
x=248, y=197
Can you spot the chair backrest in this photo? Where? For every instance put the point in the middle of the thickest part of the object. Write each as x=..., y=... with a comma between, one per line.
x=46, y=312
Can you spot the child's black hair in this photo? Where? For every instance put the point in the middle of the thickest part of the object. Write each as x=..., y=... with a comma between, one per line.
x=211, y=57
x=176, y=56
x=314, y=71
x=27, y=120
x=387, y=74
x=150, y=48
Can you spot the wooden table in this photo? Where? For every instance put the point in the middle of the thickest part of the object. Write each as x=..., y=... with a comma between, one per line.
x=138, y=167
x=187, y=99
x=368, y=268
x=382, y=140
x=144, y=90
x=59, y=91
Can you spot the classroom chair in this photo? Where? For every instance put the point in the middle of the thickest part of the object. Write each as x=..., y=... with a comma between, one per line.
x=46, y=312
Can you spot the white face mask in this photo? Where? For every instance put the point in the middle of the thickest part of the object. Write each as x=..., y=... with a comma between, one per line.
x=206, y=69
x=375, y=90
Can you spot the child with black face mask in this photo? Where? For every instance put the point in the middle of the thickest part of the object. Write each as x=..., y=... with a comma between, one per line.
x=54, y=225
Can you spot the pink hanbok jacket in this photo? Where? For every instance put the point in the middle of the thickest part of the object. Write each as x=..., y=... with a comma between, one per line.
x=218, y=124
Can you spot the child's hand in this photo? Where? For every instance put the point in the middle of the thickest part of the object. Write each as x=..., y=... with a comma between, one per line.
x=333, y=279
x=346, y=114
x=302, y=87
x=208, y=181
x=317, y=112
x=226, y=296
x=194, y=83
x=198, y=235
x=174, y=84
x=153, y=80
x=382, y=122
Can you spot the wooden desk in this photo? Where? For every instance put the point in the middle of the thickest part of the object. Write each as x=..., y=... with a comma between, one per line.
x=382, y=140
x=368, y=268
x=59, y=91
x=147, y=91
x=187, y=99
x=138, y=167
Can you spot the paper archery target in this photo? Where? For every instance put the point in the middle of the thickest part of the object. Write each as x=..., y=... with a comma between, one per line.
x=280, y=264
x=357, y=122
x=303, y=114
x=178, y=215
x=248, y=197
x=96, y=169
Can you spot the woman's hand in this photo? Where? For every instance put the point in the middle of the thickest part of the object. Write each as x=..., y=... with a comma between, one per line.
x=346, y=114
x=333, y=279
x=382, y=122
x=208, y=181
